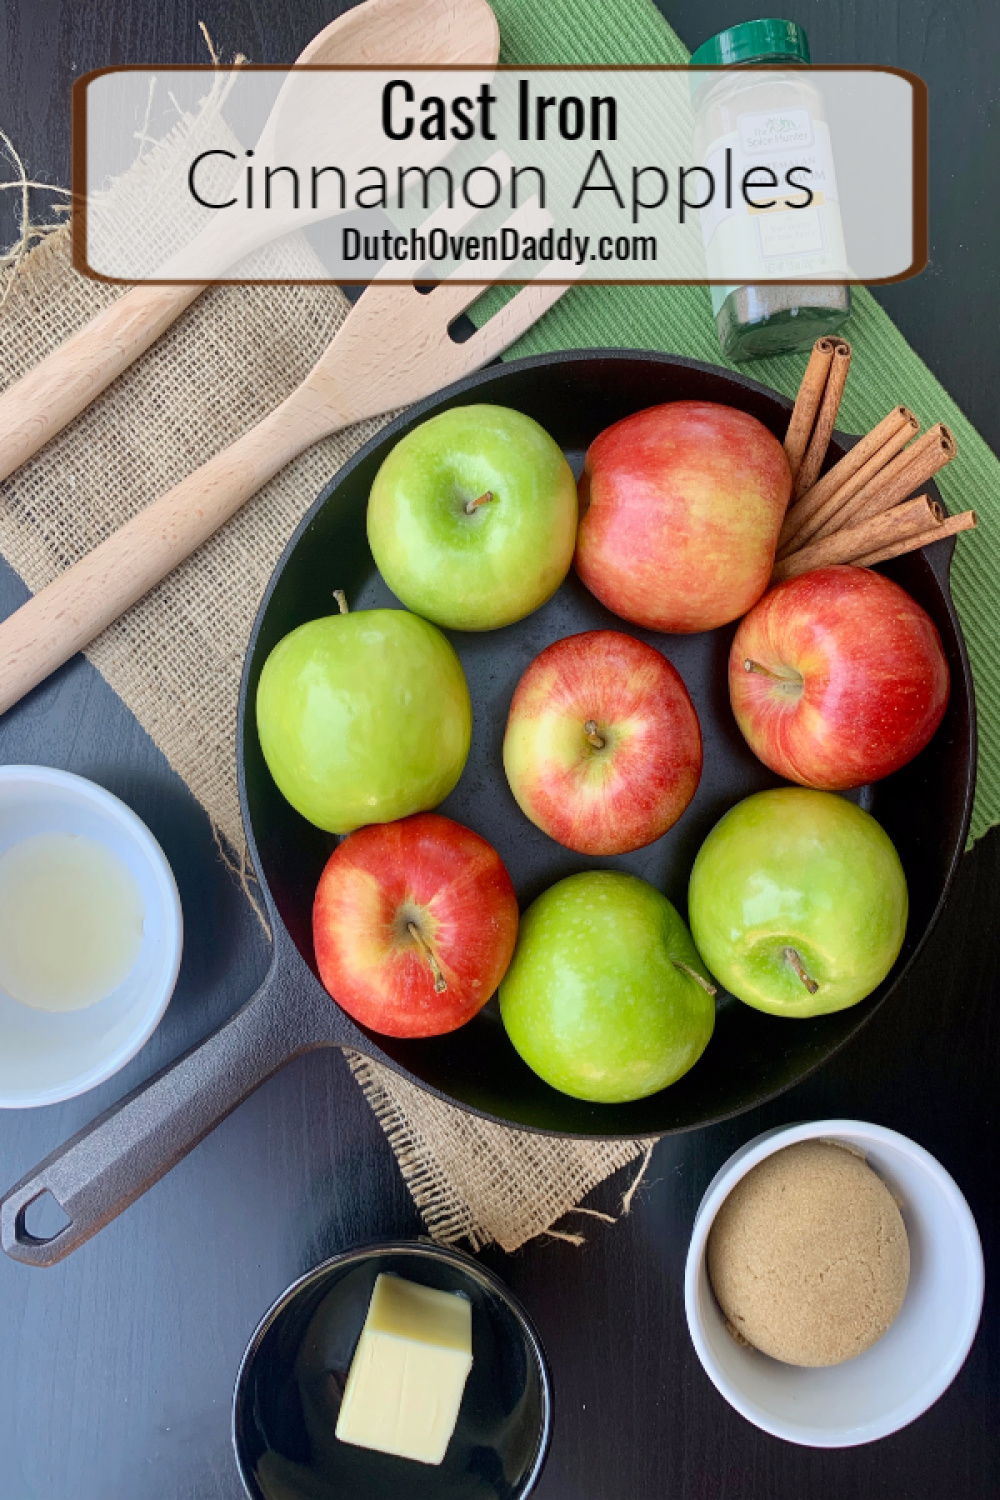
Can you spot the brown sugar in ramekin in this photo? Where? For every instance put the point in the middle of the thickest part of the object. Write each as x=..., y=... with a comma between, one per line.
x=808, y=1256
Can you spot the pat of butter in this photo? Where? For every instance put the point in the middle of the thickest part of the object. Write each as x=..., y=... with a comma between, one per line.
x=409, y=1370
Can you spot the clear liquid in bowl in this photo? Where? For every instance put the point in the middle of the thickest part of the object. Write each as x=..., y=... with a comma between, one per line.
x=71, y=921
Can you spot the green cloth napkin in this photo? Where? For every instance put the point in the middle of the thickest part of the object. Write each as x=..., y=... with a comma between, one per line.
x=885, y=370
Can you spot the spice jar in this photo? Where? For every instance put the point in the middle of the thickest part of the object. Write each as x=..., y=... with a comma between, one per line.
x=771, y=121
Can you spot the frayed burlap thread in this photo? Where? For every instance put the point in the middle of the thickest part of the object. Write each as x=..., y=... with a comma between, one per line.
x=176, y=657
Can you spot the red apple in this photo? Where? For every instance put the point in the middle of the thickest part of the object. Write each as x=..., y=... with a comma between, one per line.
x=837, y=677
x=414, y=925
x=680, y=508
x=602, y=748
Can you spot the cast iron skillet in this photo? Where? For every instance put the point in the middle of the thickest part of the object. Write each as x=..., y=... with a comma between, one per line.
x=925, y=808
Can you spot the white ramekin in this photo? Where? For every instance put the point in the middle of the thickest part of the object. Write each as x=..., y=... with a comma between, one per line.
x=914, y=1362
x=45, y=1057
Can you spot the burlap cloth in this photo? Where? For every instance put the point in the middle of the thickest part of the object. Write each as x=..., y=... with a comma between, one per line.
x=175, y=658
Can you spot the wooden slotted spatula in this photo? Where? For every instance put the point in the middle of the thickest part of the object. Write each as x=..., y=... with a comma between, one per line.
x=392, y=349
x=396, y=33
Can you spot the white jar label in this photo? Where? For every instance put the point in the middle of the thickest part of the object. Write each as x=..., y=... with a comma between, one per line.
x=776, y=203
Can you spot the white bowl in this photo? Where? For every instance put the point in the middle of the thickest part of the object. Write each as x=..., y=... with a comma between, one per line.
x=914, y=1362
x=45, y=1057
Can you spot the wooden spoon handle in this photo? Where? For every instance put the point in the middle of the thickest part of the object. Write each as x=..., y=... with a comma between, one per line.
x=55, y=391
x=68, y=613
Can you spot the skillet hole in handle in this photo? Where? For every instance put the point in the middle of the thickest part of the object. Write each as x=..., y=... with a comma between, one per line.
x=33, y=1222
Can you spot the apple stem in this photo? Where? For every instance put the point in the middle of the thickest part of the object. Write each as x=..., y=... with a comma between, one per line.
x=341, y=599
x=693, y=974
x=756, y=666
x=590, y=730
x=790, y=681
x=425, y=947
x=474, y=505
x=800, y=969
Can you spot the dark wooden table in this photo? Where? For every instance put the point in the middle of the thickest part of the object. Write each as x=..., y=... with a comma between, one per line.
x=116, y=1368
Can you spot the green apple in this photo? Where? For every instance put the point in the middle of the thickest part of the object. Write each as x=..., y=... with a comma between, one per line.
x=364, y=718
x=606, y=997
x=472, y=517
x=798, y=902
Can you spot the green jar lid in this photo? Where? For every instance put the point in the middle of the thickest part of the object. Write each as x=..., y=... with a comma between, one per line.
x=766, y=40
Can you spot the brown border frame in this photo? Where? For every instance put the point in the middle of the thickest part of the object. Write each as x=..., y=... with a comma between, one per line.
x=78, y=169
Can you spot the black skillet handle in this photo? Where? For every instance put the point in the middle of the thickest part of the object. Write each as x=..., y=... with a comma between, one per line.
x=113, y=1160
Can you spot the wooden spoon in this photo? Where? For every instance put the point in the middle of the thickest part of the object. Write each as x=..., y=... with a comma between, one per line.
x=387, y=32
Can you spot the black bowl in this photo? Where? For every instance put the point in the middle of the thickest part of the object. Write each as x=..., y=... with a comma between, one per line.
x=292, y=1377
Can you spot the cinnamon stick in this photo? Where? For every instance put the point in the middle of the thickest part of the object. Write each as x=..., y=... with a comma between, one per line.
x=826, y=419
x=851, y=474
x=950, y=526
x=807, y=402
x=906, y=473
x=872, y=535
